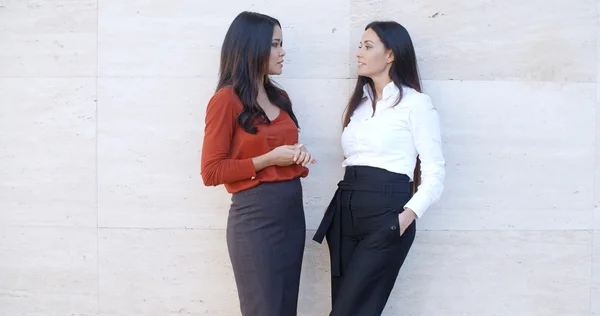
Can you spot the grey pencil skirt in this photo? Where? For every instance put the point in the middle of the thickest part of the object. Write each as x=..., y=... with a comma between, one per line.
x=266, y=233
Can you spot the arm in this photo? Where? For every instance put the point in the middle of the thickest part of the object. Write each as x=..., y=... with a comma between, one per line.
x=425, y=128
x=216, y=167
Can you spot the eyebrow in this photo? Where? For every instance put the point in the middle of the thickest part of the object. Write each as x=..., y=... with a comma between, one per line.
x=277, y=39
x=370, y=41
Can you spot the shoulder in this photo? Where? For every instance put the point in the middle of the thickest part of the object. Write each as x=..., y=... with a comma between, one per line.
x=226, y=94
x=226, y=98
x=416, y=100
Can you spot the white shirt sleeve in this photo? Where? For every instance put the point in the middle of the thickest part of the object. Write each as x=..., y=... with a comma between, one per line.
x=425, y=128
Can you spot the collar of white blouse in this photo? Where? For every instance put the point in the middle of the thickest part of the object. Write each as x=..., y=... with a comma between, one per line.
x=390, y=95
x=390, y=90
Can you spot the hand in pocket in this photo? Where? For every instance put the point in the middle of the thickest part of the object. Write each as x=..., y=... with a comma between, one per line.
x=405, y=219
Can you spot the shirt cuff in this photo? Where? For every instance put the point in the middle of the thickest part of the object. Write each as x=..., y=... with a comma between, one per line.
x=248, y=169
x=416, y=205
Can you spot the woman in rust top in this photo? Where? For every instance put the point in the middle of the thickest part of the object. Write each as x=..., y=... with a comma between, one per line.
x=251, y=146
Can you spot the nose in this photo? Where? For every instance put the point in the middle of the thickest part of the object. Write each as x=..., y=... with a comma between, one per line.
x=358, y=53
x=282, y=53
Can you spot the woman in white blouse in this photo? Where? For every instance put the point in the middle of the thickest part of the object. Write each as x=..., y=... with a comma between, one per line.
x=370, y=222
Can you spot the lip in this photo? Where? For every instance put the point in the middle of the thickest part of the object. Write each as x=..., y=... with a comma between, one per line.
x=360, y=64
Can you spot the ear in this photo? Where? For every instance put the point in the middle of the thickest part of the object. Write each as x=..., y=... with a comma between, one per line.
x=390, y=56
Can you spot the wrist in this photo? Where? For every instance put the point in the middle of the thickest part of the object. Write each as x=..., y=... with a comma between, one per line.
x=261, y=162
x=268, y=158
x=410, y=212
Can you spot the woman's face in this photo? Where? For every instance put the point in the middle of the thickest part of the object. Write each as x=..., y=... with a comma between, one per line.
x=373, y=58
x=277, y=52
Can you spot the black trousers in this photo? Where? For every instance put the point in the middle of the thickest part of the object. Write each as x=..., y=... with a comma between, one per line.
x=363, y=235
x=266, y=234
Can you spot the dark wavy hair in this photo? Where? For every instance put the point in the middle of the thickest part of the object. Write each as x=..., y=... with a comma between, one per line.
x=244, y=65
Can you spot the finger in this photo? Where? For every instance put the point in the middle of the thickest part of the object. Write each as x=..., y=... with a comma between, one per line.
x=298, y=146
x=301, y=157
x=303, y=161
x=400, y=226
x=296, y=155
x=308, y=159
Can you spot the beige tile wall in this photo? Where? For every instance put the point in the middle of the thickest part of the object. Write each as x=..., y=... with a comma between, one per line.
x=103, y=212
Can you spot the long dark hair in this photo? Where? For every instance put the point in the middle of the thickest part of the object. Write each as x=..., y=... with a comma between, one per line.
x=403, y=72
x=244, y=65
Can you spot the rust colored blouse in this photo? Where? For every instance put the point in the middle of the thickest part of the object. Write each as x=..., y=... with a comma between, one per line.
x=228, y=150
